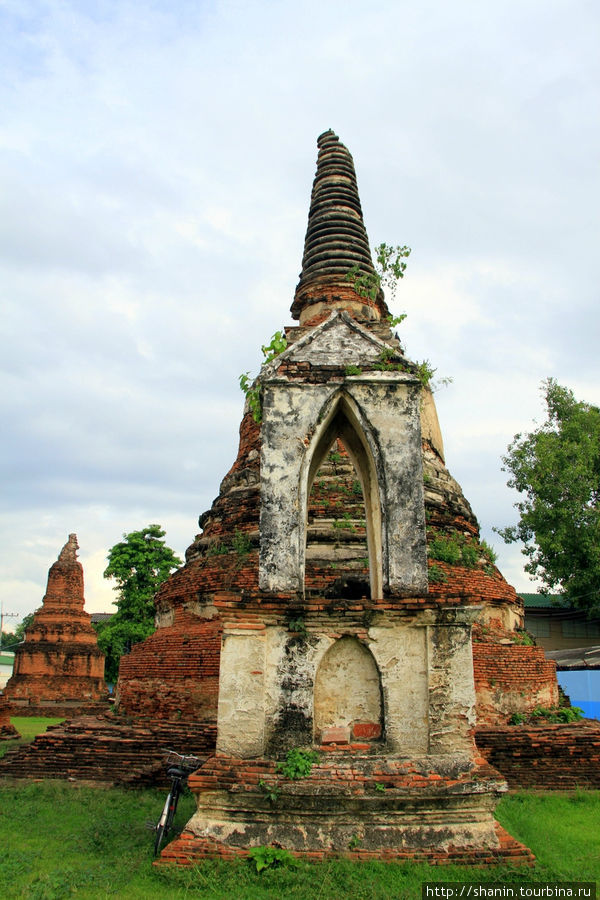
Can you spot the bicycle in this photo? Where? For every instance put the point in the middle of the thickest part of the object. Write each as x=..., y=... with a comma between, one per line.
x=179, y=767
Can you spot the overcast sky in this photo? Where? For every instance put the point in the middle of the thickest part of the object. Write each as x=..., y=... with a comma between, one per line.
x=156, y=166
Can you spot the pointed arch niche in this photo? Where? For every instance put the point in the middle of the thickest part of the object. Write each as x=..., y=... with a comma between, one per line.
x=341, y=466
x=347, y=693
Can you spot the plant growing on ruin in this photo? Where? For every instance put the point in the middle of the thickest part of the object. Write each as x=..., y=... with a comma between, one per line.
x=353, y=370
x=251, y=388
x=390, y=266
x=345, y=522
x=425, y=372
x=436, y=575
x=459, y=550
x=555, y=715
x=270, y=858
x=383, y=363
x=558, y=713
x=454, y=549
x=297, y=625
x=253, y=392
x=488, y=551
x=270, y=791
x=216, y=549
x=379, y=787
x=298, y=763
x=241, y=543
x=522, y=637
x=516, y=719
x=277, y=345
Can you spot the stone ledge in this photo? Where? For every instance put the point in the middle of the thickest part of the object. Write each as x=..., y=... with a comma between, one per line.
x=190, y=850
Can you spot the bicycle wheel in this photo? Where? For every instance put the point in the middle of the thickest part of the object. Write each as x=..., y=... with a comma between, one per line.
x=175, y=791
x=161, y=828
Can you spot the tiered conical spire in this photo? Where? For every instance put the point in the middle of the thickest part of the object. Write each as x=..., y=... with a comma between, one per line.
x=336, y=238
x=59, y=665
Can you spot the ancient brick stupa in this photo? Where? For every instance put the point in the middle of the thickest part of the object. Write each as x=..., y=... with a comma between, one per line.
x=59, y=669
x=329, y=603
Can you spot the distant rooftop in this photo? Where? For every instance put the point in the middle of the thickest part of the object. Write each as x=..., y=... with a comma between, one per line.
x=578, y=658
x=100, y=617
x=544, y=601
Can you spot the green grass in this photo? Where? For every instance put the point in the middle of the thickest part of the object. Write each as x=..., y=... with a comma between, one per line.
x=561, y=828
x=28, y=727
x=60, y=840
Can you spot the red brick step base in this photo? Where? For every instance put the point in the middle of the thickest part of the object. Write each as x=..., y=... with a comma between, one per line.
x=189, y=850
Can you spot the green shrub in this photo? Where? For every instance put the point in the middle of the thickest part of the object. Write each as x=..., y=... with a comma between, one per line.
x=522, y=637
x=241, y=542
x=270, y=858
x=455, y=549
x=436, y=575
x=298, y=763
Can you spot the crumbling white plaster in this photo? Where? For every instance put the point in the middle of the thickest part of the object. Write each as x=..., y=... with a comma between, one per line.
x=380, y=413
x=422, y=666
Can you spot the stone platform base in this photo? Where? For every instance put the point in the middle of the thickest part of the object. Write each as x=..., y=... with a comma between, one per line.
x=362, y=806
x=188, y=850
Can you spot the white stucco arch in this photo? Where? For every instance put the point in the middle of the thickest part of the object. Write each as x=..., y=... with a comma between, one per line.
x=342, y=417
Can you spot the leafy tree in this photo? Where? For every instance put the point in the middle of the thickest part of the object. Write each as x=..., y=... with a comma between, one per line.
x=10, y=640
x=139, y=564
x=20, y=629
x=557, y=469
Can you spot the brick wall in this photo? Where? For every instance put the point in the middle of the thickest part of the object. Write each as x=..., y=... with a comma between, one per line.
x=547, y=757
x=175, y=672
x=511, y=678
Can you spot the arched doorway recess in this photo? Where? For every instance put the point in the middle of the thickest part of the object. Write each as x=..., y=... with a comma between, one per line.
x=347, y=696
x=343, y=531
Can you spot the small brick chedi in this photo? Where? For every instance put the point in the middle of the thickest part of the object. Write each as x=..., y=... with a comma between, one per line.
x=59, y=669
x=338, y=600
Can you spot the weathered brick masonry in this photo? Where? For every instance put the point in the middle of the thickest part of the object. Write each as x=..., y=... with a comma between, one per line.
x=510, y=678
x=7, y=729
x=108, y=749
x=175, y=673
x=549, y=757
x=372, y=781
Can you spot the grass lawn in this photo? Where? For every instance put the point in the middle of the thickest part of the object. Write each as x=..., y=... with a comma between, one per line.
x=60, y=840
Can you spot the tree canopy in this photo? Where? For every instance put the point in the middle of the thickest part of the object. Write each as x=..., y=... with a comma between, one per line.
x=22, y=627
x=139, y=564
x=557, y=469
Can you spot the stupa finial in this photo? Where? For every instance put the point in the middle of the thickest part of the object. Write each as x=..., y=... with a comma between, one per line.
x=336, y=239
